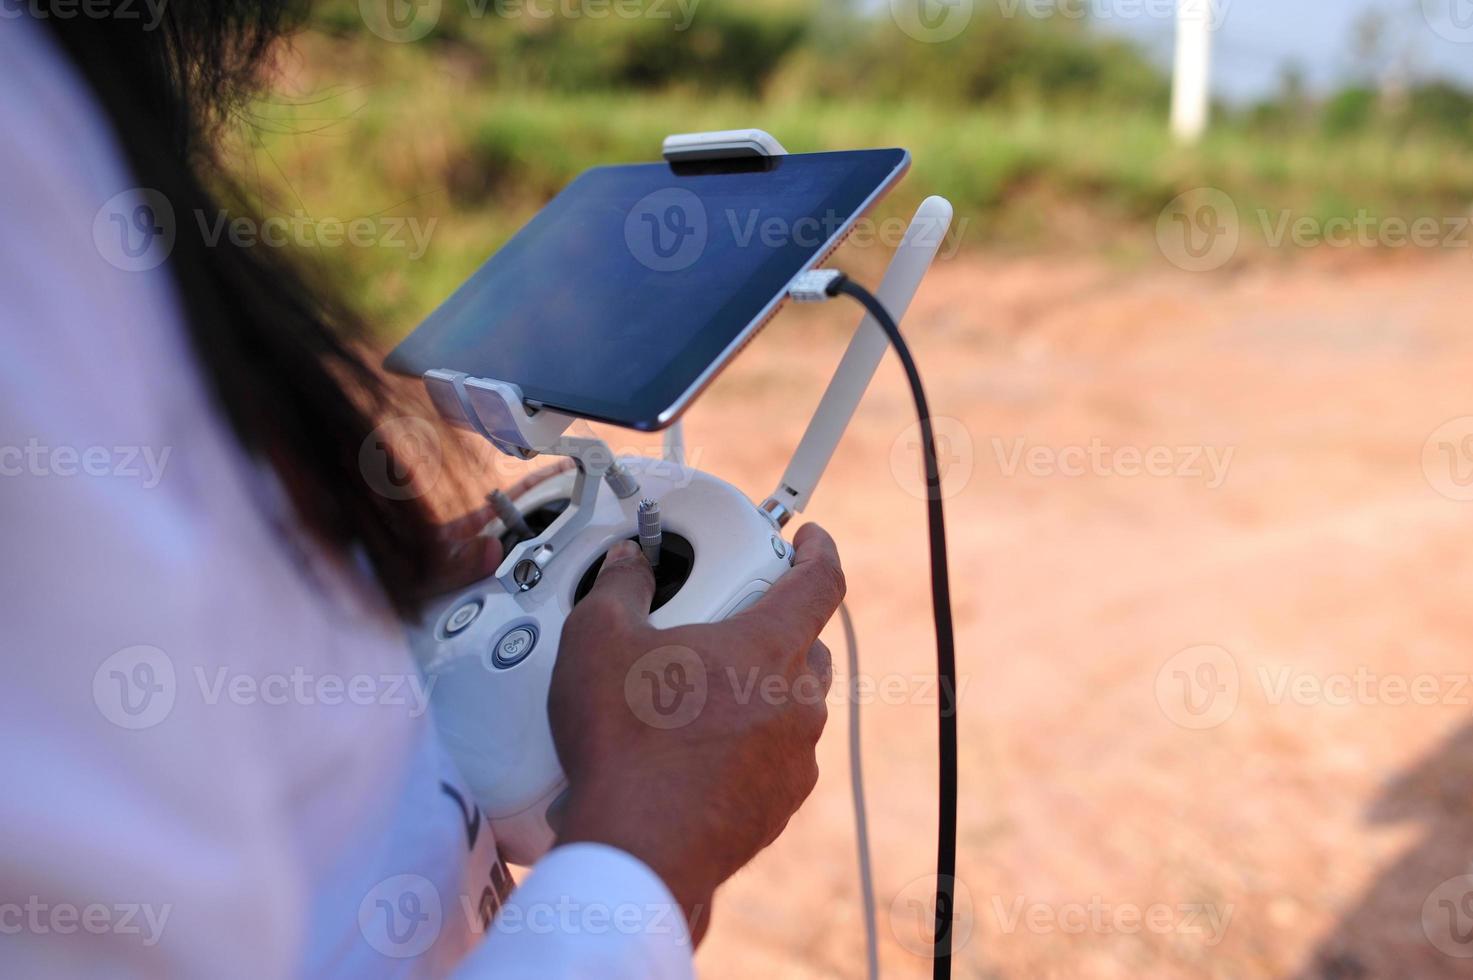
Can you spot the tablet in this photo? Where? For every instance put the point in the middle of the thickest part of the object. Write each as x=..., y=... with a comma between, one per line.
x=626, y=295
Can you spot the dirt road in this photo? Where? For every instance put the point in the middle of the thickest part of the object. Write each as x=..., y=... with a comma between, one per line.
x=1212, y=601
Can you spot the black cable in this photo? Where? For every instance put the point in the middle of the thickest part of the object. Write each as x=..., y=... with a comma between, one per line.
x=945, y=635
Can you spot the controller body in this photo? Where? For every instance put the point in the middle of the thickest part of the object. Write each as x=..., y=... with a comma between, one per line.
x=488, y=652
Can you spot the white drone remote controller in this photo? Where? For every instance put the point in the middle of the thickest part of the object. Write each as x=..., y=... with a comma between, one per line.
x=489, y=650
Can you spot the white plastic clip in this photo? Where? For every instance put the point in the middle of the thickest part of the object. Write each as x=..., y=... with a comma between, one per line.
x=495, y=410
x=722, y=145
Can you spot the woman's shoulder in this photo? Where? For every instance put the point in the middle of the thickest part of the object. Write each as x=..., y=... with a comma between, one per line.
x=90, y=305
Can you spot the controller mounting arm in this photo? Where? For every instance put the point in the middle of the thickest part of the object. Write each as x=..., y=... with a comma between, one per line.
x=913, y=258
x=496, y=411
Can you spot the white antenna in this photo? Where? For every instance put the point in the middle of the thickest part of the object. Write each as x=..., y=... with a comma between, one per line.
x=1192, y=78
x=909, y=266
x=674, y=444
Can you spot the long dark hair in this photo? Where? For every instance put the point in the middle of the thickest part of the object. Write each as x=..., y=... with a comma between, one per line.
x=275, y=345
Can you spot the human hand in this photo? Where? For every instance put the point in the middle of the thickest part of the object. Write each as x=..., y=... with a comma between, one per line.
x=690, y=748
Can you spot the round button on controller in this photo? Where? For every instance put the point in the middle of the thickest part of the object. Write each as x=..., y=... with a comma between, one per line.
x=514, y=646
x=463, y=616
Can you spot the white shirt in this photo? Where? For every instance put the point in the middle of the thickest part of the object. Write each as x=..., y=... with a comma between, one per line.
x=215, y=760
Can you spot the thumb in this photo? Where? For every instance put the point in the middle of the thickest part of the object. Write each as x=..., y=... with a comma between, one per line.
x=625, y=585
x=465, y=561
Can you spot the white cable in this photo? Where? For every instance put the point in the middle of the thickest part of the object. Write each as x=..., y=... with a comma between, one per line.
x=861, y=820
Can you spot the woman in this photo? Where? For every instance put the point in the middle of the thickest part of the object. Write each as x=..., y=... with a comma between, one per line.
x=219, y=760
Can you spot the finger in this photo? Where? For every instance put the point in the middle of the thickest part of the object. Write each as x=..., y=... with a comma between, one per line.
x=483, y=556
x=795, y=610
x=625, y=585
x=820, y=664
x=466, y=562
x=811, y=689
x=545, y=473
x=466, y=526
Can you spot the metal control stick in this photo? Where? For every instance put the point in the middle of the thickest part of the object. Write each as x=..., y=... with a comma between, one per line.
x=510, y=514
x=650, y=534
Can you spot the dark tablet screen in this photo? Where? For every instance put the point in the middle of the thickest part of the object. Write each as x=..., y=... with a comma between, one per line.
x=627, y=293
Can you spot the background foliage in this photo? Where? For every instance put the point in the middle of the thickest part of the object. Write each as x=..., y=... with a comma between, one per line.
x=1045, y=132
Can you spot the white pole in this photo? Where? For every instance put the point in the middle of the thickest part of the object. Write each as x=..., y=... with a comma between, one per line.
x=1191, y=81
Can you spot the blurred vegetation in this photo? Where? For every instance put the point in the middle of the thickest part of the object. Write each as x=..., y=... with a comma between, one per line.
x=1043, y=132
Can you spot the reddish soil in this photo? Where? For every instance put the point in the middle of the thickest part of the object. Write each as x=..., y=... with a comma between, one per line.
x=1309, y=603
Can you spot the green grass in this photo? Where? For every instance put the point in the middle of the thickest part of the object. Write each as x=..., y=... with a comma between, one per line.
x=406, y=132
